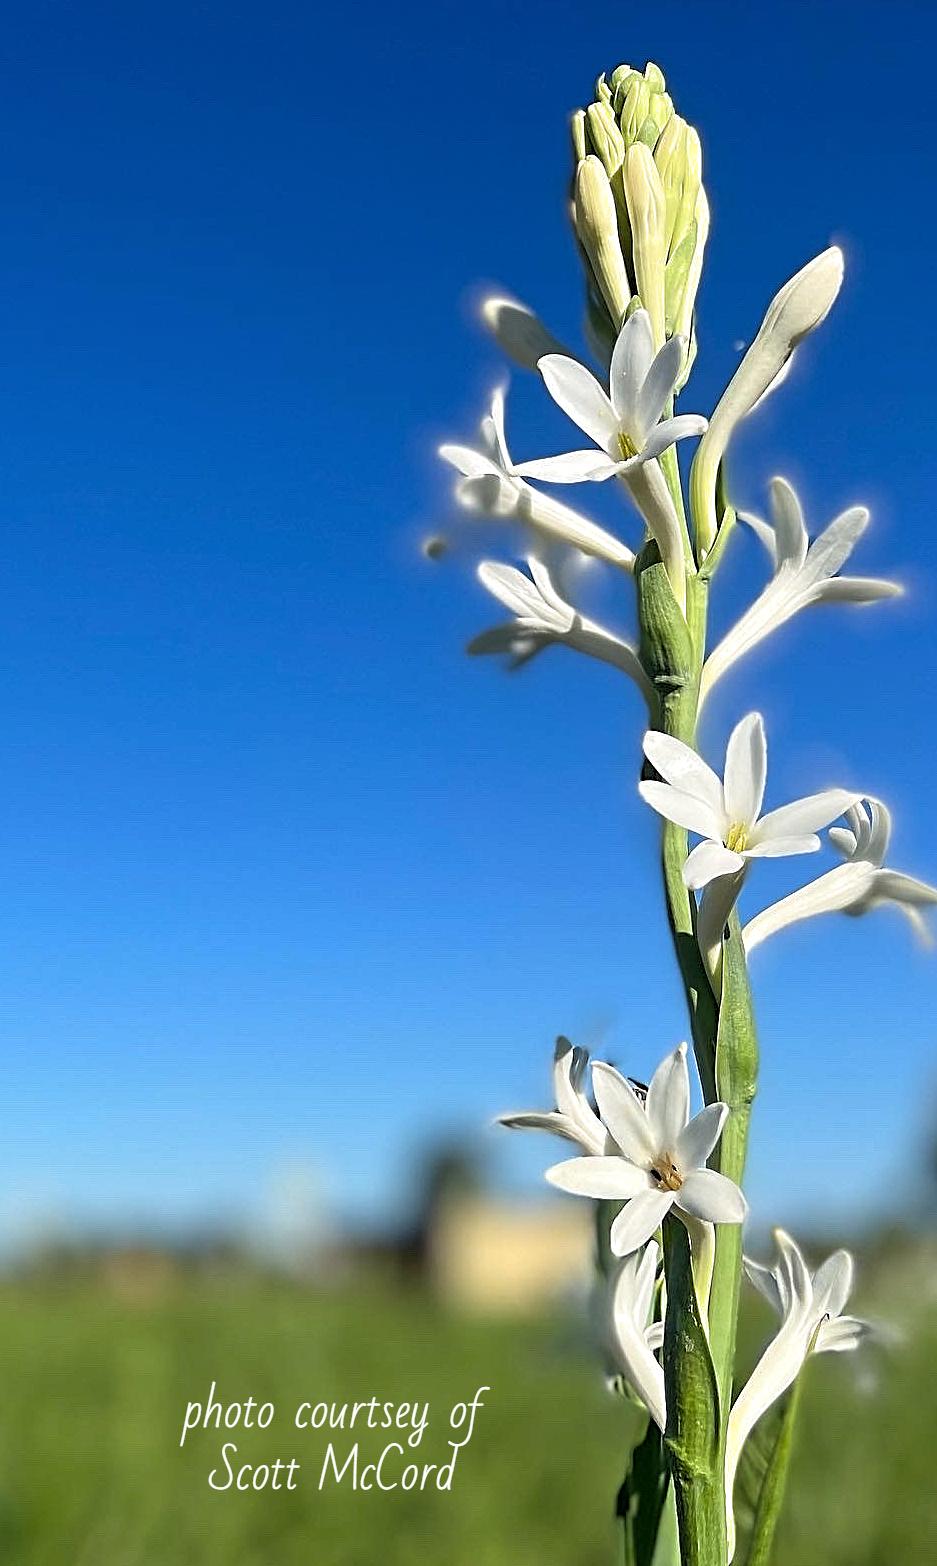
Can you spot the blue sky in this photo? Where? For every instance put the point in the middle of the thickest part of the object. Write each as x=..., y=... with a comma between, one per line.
x=286, y=877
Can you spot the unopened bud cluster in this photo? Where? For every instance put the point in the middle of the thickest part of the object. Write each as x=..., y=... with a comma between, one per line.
x=639, y=209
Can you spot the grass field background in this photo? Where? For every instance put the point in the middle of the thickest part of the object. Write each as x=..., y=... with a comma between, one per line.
x=95, y=1387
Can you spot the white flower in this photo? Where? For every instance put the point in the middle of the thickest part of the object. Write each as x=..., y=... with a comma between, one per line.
x=812, y=1322
x=727, y=814
x=804, y=574
x=660, y=1158
x=490, y=485
x=631, y=1338
x=623, y=422
x=797, y=309
x=542, y=618
x=856, y=887
x=573, y=1118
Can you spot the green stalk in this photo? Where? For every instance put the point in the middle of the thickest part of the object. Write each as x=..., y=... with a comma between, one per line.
x=736, y=1081
x=771, y=1494
x=692, y=1438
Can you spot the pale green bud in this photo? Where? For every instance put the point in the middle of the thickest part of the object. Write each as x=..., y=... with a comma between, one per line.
x=602, y=89
x=618, y=76
x=634, y=110
x=577, y=127
x=683, y=324
x=692, y=178
x=670, y=157
x=596, y=221
x=654, y=77
x=661, y=110
x=644, y=195
x=623, y=86
x=606, y=139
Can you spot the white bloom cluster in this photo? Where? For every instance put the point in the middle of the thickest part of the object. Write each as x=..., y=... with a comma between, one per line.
x=641, y=1148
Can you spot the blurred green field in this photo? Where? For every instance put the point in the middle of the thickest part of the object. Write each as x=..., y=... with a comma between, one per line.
x=95, y=1387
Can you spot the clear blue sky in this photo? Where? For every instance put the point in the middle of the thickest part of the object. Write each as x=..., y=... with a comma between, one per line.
x=285, y=876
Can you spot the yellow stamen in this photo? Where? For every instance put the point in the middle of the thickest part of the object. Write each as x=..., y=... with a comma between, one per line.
x=737, y=837
x=627, y=446
x=665, y=1173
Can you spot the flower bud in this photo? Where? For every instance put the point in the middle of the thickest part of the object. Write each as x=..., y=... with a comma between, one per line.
x=644, y=196
x=606, y=140
x=596, y=221
x=656, y=193
x=795, y=310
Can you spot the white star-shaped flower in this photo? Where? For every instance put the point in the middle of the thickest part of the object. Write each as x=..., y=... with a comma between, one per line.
x=659, y=1158
x=804, y=573
x=726, y=812
x=543, y=618
x=856, y=887
x=573, y=1118
x=631, y=1337
x=622, y=422
x=491, y=486
x=812, y=1322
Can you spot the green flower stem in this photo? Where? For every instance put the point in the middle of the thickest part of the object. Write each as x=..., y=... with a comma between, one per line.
x=672, y=651
x=736, y=1081
x=771, y=1494
x=692, y=1437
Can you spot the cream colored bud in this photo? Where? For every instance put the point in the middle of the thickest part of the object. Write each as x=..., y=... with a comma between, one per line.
x=596, y=222
x=577, y=129
x=797, y=309
x=606, y=139
x=644, y=195
x=654, y=77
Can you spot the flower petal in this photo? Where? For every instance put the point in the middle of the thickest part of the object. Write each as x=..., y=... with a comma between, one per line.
x=746, y=769
x=781, y=847
x=638, y=1220
x=576, y=390
x=630, y=366
x=607, y=1178
x=697, y=1140
x=680, y=765
x=707, y=862
x=856, y=590
x=790, y=530
x=518, y=331
x=683, y=809
x=841, y=1335
x=683, y=427
x=569, y=467
x=805, y=815
x=623, y=1114
x=668, y=1100
x=659, y=383
x=832, y=1284
x=707, y=1194
x=835, y=544
x=473, y=464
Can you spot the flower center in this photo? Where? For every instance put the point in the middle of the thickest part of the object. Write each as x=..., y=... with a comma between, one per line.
x=627, y=446
x=737, y=837
x=665, y=1173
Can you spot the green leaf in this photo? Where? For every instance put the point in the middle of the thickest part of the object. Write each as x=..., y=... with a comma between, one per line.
x=640, y=1502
